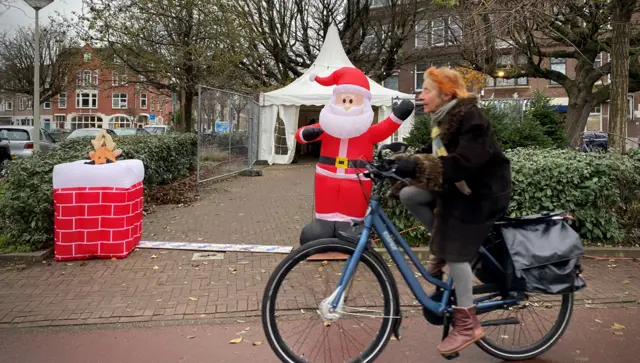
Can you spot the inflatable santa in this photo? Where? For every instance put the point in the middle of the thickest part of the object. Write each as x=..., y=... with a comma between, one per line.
x=348, y=138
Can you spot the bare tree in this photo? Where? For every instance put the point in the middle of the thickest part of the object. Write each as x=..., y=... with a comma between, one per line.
x=286, y=35
x=58, y=59
x=174, y=44
x=539, y=31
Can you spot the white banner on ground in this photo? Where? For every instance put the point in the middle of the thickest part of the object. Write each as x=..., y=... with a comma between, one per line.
x=192, y=246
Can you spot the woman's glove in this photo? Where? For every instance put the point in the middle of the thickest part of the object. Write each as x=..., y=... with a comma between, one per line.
x=406, y=168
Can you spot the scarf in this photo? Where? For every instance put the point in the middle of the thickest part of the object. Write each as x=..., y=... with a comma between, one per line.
x=436, y=141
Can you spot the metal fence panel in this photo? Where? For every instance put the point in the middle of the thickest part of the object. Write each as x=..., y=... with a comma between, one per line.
x=228, y=125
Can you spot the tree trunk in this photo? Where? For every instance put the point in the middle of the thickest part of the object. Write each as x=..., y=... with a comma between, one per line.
x=618, y=115
x=577, y=116
x=188, y=109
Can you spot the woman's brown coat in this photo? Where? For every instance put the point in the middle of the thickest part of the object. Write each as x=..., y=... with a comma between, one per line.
x=463, y=221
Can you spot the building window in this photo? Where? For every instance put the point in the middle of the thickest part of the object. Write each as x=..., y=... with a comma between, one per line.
x=118, y=100
x=30, y=104
x=87, y=99
x=62, y=100
x=597, y=63
x=47, y=105
x=391, y=82
x=96, y=75
x=61, y=120
x=559, y=65
x=9, y=105
x=86, y=78
x=22, y=104
x=153, y=100
x=419, y=75
x=87, y=57
x=117, y=122
x=143, y=101
x=455, y=33
x=437, y=32
x=85, y=122
x=422, y=33
x=79, y=78
x=116, y=79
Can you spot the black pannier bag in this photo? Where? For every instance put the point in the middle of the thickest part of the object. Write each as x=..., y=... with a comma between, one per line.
x=544, y=252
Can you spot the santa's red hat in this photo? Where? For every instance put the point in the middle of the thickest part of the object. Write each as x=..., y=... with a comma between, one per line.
x=346, y=80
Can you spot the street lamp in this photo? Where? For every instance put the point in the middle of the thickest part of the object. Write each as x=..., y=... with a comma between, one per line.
x=37, y=5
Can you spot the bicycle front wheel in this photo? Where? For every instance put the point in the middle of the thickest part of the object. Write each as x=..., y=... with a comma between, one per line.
x=294, y=316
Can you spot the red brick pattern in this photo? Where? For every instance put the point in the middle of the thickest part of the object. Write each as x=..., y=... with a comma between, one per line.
x=99, y=222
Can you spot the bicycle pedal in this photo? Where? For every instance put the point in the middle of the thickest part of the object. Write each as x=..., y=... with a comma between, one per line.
x=451, y=356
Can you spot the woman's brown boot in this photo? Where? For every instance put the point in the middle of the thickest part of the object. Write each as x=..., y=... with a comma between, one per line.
x=466, y=331
x=435, y=265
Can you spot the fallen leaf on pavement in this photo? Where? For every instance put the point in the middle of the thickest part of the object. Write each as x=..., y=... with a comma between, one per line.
x=326, y=323
x=617, y=326
x=239, y=321
x=155, y=267
x=257, y=343
x=191, y=336
x=154, y=256
x=236, y=340
x=324, y=263
x=193, y=298
x=618, y=333
x=200, y=239
x=598, y=321
x=113, y=259
x=625, y=281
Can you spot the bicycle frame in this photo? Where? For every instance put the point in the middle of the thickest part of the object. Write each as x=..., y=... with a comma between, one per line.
x=376, y=218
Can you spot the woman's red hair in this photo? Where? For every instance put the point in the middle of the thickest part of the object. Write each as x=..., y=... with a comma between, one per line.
x=447, y=81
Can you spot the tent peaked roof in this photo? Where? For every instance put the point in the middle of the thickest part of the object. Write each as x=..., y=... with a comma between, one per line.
x=332, y=56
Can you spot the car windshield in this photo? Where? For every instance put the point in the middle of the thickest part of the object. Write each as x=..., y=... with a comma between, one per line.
x=84, y=132
x=121, y=132
x=154, y=130
x=14, y=134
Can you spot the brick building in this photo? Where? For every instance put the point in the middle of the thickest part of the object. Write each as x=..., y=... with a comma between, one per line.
x=98, y=94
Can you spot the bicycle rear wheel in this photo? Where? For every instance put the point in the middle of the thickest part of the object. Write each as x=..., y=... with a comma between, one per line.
x=528, y=322
x=303, y=345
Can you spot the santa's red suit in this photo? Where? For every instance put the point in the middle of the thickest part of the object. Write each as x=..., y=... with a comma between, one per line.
x=341, y=194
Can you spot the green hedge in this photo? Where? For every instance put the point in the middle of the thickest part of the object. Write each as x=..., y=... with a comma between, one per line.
x=602, y=192
x=26, y=201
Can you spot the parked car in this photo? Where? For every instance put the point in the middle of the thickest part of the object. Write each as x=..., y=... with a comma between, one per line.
x=159, y=129
x=128, y=131
x=593, y=141
x=92, y=132
x=20, y=140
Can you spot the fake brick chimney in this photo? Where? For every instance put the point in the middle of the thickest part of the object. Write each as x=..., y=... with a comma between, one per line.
x=98, y=209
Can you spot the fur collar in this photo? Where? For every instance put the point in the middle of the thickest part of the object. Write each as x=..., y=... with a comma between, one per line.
x=451, y=121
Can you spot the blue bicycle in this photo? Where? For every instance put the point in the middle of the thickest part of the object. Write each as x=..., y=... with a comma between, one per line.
x=318, y=290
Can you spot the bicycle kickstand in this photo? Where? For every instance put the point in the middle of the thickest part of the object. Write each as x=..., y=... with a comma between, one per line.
x=445, y=332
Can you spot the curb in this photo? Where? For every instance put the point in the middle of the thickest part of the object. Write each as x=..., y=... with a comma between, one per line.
x=614, y=252
x=37, y=256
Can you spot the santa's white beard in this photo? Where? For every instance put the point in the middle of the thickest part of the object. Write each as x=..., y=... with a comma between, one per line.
x=343, y=124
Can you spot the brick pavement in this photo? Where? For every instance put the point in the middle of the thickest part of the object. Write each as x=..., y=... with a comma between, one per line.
x=133, y=290
x=255, y=210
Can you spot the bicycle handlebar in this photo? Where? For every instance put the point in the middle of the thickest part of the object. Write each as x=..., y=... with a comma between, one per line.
x=381, y=169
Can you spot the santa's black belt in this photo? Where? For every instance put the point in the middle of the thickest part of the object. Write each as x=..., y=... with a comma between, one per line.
x=342, y=163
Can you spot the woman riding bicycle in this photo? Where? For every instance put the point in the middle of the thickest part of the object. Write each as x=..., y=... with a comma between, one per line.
x=457, y=194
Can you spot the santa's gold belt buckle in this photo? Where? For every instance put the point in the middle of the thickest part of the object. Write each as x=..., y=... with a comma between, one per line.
x=342, y=163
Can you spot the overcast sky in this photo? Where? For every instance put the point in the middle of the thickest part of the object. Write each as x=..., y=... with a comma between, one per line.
x=23, y=15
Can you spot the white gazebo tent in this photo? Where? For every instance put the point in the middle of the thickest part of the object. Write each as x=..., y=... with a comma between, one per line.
x=285, y=102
